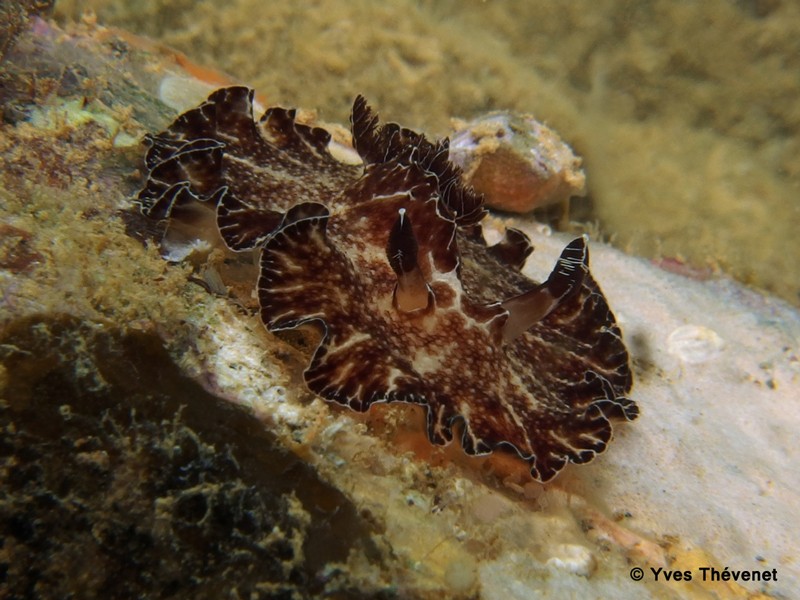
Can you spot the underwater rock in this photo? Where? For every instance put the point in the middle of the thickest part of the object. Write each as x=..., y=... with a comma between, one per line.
x=124, y=478
x=516, y=162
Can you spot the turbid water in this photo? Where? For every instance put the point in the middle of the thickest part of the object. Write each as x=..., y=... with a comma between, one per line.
x=685, y=113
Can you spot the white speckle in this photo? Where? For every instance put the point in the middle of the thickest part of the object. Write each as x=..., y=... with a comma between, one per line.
x=331, y=430
x=288, y=413
x=277, y=393
x=574, y=559
x=344, y=154
x=174, y=251
x=459, y=533
x=414, y=498
x=694, y=344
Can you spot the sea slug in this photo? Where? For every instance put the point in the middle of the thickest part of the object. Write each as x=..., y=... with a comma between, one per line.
x=386, y=264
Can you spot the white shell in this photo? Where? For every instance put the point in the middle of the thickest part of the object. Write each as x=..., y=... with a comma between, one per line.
x=694, y=344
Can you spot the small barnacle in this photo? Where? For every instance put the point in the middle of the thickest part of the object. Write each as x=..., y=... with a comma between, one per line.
x=387, y=262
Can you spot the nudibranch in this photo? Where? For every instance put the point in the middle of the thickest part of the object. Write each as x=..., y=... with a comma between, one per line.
x=386, y=262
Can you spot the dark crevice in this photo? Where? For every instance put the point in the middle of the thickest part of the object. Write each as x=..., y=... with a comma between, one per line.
x=123, y=478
